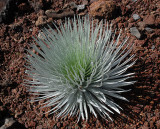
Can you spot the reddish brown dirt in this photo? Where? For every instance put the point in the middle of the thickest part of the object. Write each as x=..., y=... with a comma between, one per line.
x=143, y=110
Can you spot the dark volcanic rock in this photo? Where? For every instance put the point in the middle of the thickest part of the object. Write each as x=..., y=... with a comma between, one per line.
x=7, y=10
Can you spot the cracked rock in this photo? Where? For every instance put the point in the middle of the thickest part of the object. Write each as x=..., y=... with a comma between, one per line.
x=102, y=8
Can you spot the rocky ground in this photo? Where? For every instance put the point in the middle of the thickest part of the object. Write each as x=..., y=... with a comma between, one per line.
x=22, y=19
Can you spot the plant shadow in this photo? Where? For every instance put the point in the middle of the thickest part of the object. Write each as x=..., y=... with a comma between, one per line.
x=137, y=96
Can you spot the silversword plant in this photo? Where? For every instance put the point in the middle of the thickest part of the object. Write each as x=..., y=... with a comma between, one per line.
x=79, y=69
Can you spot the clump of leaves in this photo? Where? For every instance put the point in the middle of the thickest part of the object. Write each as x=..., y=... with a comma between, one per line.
x=79, y=69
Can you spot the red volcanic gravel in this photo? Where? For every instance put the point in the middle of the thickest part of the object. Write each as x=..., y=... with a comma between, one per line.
x=20, y=20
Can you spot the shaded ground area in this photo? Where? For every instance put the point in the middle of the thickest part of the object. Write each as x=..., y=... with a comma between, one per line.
x=139, y=19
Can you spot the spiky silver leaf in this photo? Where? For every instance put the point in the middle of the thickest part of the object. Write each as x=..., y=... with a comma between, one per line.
x=79, y=69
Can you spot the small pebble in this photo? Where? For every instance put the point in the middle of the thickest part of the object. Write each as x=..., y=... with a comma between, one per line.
x=41, y=35
x=136, y=16
x=134, y=31
x=153, y=47
x=80, y=7
x=148, y=29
